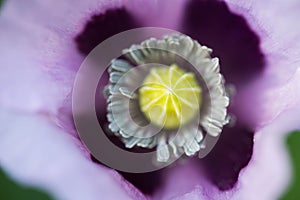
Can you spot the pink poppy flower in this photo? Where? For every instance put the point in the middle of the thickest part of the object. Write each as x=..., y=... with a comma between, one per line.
x=43, y=44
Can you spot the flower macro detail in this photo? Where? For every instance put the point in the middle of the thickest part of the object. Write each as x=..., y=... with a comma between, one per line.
x=167, y=93
x=169, y=97
x=45, y=46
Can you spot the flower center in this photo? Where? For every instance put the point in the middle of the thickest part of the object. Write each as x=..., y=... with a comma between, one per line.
x=169, y=96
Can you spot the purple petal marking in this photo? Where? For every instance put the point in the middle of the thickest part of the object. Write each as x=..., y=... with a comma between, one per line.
x=230, y=37
x=237, y=46
x=277, y=39
x=232, y=153
x=103, y=26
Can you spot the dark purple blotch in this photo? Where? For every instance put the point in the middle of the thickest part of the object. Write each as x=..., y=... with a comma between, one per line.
x=241, y=59
x=103, y=26
x=229, y=35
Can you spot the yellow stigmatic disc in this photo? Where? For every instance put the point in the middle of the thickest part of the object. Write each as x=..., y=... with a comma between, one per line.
x=170, y=97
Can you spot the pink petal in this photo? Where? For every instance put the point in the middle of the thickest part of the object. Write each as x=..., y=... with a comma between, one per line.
x=181, y=179
x=23, y=84
x=274, y=22
x=34, y=151
x=38, y=49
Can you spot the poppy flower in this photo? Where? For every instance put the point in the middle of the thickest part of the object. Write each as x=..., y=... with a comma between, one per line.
x=43, y=44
